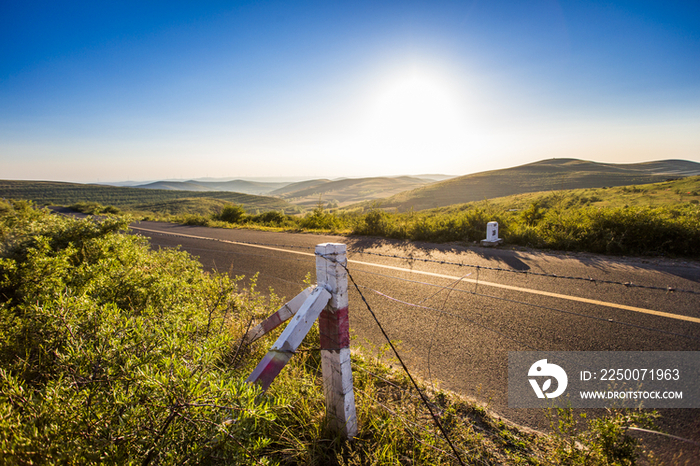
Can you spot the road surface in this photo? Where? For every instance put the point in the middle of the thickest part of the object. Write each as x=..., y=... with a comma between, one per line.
x=478, y=315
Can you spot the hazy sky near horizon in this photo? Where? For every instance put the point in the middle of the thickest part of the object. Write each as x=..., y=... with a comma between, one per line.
x=117, y=90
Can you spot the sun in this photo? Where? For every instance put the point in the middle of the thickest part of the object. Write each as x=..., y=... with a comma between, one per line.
x=417, y=114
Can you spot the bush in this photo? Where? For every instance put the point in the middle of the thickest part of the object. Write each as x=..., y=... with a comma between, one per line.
x=113, y=353
x=623, y=231
x=272, y=218
x=607, y=440
x=319, y=219
x=194, y=220
x=549, y=224
x=232, y=214
x=94, y=208
x=375, y=223
x=533, y=214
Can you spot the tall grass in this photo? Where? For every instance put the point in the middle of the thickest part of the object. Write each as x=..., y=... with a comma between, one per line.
x=633, y=230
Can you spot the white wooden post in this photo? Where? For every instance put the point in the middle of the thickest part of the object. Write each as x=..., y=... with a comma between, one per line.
x=287, y=343
x=282, y=314
x=334, y=327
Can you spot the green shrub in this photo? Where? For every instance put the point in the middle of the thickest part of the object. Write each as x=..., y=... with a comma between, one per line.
x=319, y=219
x=94, y=208
x=376, y=223
x=110, y=209
x=272, y=218
x=194, y=220
x=533, y=214
x=113, y=353
x=606, y=439
x=232, y=214
x=633, y=230
x=552, y=223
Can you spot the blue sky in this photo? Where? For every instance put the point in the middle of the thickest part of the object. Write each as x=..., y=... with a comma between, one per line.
x=108, y=91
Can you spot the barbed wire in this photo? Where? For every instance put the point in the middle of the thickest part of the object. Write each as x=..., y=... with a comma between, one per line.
x=675, y=437
x=478, y=269
x=450, y=288
x=252, y=243
x=406, y=423
x=630, y=284
x=603, y=319
x=396, y=353
x=409, y=394
x=457, y=316
x=474, y=293
x=461, y=317
x=383, y=379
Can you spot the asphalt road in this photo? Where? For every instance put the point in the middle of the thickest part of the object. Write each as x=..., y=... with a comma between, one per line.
x=478, y=316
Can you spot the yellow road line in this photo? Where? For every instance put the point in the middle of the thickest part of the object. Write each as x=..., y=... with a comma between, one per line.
x=452, y=277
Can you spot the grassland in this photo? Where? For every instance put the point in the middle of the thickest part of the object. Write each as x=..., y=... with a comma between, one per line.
x=546, y=175
x=347, y=191
x=664, y=194
x=655, y=219
x=168, y=202
x=651, y=219
x=681, y=194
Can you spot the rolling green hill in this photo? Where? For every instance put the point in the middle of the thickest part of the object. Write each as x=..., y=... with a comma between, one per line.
x=546, y=175
x=158, y=200
x=298, y=186
x=348, y=190
x=674, y=193
x=652, y=219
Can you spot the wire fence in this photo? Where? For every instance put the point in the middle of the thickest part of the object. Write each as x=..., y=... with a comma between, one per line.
x=413, y=258
x=441, y=287
x=627, y=284
x=453, y=287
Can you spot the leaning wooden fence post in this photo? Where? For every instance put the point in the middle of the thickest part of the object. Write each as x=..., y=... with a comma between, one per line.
x=334, y=328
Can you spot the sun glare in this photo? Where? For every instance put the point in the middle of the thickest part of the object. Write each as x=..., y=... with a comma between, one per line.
x=417, y=114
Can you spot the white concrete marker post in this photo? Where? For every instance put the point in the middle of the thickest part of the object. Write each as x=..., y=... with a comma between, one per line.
x=492, y=238
x=334, y=327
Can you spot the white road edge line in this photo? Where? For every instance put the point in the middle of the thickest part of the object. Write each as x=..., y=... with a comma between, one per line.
x=452, y=277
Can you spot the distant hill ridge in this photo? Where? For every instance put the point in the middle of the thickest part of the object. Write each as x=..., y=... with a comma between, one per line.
x=307, y=193
x=60, y=193
x=348, y=190
x=239, y=186
x=553, y=174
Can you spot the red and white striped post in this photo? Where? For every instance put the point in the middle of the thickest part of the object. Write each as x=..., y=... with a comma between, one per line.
x=290, y=339
x=334, y=327
x=283, y=314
